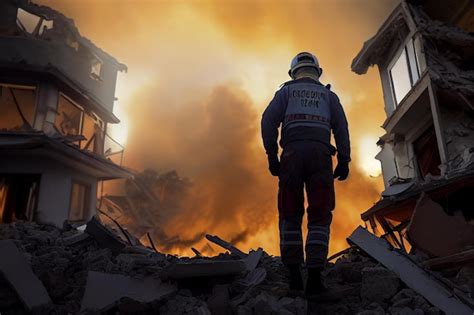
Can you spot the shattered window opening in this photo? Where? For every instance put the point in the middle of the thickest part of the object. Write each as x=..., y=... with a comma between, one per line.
x=427, y=153
x=405, y=72
x=27, y=21
x=17, y=106
x=96, y=69
x=45, y=26
x=93, y=131
x=80, y=197
x=69, y=117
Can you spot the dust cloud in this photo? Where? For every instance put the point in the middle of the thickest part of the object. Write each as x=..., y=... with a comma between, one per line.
x=200, y=75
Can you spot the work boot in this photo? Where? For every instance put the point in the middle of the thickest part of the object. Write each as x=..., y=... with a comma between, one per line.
x=296, y=279
x=315, y=285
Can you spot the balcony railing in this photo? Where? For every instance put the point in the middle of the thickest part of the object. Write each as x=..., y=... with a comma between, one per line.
x=113, y=150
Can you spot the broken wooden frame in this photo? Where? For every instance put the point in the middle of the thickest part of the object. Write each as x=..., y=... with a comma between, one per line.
x=390, y=217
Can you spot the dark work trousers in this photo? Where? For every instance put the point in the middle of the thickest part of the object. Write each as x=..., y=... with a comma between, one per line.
x=305, y=163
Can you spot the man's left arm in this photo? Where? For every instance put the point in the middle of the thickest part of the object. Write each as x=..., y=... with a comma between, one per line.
x=340, y=130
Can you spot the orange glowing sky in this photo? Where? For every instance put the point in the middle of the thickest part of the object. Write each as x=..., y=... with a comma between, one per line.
x=178, y=52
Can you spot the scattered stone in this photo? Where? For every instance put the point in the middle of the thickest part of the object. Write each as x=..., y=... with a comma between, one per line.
x=63, y=269
x=378, y=284
x=373, y=309
x=103, y=235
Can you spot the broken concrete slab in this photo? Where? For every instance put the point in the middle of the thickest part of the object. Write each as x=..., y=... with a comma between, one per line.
x=437, y=233
x=18, y=273
x=412, y=275
x=253, y=278
x=103, y=236
x=204, y=268
x=104, y=290
x=252, y=260
x=231, y=248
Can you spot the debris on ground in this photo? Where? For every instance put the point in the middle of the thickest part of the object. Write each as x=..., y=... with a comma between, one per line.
x=74, y=268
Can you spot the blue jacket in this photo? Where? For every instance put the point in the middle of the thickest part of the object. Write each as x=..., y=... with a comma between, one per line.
x=306, y=110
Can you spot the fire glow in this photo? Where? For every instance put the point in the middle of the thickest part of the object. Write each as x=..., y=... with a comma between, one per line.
x=201, y=73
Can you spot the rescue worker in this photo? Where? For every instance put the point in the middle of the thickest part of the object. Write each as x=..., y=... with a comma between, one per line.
x=307, y=112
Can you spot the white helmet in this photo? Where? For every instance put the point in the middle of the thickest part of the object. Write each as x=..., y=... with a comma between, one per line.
x=304, y=59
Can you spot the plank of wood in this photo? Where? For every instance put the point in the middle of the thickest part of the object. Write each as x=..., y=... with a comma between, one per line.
x=442, y=262
x=413, y=276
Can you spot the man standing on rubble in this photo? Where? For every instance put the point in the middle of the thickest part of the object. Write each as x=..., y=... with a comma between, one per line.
x=307, y=112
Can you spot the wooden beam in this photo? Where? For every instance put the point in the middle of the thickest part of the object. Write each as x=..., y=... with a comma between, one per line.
x=447, y=261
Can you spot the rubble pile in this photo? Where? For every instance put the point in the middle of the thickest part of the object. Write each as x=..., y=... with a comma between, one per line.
x=87, y=273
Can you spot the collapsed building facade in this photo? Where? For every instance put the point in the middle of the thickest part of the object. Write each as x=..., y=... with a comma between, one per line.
x=57, y=91
x=425, y=56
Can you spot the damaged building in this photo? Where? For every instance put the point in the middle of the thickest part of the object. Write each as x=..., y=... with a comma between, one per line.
x=425, y=53
x=56, y=100
x=57, y=92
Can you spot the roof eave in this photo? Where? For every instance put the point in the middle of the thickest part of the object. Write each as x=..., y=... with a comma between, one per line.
x=363, y=60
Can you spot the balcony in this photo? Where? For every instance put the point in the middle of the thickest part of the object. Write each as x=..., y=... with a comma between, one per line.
x=69, y=122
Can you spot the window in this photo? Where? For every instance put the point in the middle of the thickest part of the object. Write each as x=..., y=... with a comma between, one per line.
x=427, y=153
x=68, y=117
x=405, y=72
x=17, y=106
x=93, y=131
x=33, y=24
x=96, y=69
x=80, y=198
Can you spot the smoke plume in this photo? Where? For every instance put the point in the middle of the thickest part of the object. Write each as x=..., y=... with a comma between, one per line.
x=200, y=75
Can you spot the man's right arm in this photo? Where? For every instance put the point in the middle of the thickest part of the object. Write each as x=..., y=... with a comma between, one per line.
x=271, y=119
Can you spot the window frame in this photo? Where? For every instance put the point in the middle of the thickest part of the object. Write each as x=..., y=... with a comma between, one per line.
x=86, y=208
x=73, y=103
x=403, y=50
x=32, y=87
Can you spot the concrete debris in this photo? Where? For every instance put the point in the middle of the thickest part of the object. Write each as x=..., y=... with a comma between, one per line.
x=16, y=270
x=103, y=235
x=429, y=218
x=87, y=275
x=219, y=301
x=104, y=290
x=76, y=239
x=378, y=284
x=231, y=248
x=412, y=275
x=204, y=268
x=252, y=260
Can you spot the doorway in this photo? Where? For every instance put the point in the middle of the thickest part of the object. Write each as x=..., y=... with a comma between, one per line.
x=18, y=197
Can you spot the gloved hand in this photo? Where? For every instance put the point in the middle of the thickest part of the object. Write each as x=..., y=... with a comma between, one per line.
x=274, y=164
x=342, y=171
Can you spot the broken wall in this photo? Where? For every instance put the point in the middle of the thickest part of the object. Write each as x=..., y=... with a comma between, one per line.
x=459, y=134
x=404, y=160
x=53, y=46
